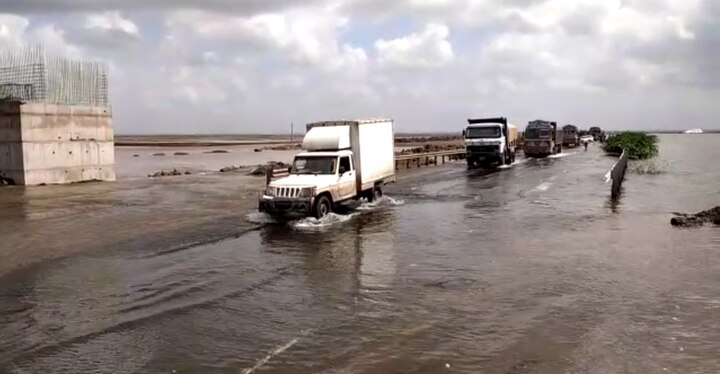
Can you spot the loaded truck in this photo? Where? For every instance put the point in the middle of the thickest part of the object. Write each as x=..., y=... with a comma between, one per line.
x=341, y=161
x=596, y=132
x=542, y=138
x=490, y=142
x=571, y=138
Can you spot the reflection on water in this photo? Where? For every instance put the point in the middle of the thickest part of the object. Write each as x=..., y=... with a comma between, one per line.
x=527, y=269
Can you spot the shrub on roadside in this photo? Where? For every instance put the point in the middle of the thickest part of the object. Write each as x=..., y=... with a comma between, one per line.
x=640, y=145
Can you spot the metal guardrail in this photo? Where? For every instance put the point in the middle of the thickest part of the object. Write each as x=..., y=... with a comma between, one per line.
x=417, y=159
x=430, y=158
x=617, y=174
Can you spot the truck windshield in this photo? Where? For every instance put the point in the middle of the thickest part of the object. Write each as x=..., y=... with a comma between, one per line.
x=314, y=165
x=482, y=132
x=536, y=133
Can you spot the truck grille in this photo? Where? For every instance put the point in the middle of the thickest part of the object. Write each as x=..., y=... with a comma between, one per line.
x=290, y=192
x=483, y=148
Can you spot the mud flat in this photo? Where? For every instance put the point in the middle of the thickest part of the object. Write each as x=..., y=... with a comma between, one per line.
x=197, y=140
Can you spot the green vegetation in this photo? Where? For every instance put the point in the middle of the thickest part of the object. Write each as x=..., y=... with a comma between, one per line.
x=639, y=145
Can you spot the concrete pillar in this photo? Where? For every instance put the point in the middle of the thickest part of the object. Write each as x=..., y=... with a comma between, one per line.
x=52, y=144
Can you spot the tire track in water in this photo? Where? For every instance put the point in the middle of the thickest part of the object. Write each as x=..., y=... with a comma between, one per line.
x=131, y=323
x=199, y=243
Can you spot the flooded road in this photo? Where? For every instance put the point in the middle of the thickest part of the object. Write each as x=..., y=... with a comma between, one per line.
x=530, y=269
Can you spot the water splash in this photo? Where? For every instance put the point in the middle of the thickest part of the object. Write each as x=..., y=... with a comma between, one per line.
x=312, y=223
x=384, y=201
x=561, y=155
x=517, y=162
x=260, y=218
x=542, y=187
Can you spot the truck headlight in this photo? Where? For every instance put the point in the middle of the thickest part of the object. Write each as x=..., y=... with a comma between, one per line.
x=308, y=192
x=270, y=191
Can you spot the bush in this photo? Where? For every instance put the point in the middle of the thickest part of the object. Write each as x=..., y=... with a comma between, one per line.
x=639, y=145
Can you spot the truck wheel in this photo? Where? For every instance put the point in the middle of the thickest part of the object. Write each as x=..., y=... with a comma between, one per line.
x=377, y=193
x=470, y=163
x=323, y=207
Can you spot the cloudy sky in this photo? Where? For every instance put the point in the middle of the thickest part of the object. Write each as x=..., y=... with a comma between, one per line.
x=186, y=66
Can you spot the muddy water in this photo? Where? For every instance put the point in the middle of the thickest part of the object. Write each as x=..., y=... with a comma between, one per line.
x=138, y=162
x=527, y=270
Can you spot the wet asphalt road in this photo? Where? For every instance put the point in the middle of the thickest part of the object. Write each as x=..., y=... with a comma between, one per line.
x=530, y=269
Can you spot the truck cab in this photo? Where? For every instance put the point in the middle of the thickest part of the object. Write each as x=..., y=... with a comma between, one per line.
x=542, y=138
x=341, y=161
x=490, y=141
x=570, y=136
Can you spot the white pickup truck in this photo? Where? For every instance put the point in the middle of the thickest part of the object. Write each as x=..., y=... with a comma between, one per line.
x=341, y=161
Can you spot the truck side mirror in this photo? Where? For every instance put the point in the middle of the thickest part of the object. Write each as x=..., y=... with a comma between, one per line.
x=463, y=133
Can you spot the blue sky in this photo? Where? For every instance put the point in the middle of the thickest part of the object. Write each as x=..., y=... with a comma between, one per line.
x=254, y=66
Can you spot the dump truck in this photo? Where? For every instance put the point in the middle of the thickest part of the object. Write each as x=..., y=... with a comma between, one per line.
x=571, y=138
x=341, y=161
x=542, y=138
x=490, y=142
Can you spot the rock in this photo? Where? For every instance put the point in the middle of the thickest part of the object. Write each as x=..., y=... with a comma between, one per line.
x=181, y=154
x=285, y=147
x=695, y=220
x=263, y=169
x=159, y=154
x=229, y=169
x=260, y=170
x=218, y=151
x=136, y=155
x=163, y=173
x=258, y=150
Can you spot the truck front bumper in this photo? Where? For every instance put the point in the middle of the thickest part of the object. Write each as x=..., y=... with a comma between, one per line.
x=537, y=150
x=284, y=206
x=484, y=156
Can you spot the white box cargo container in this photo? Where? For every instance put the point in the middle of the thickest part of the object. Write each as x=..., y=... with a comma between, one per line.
x=341, y=160
x=372, y=143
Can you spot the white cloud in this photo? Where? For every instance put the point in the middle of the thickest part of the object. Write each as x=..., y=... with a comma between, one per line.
x=428, y=48
x=12, y=29
x=305, y=36
x=251, y=65
x=112, y=20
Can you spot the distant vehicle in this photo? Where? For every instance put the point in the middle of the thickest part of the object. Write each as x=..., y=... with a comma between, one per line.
x=693, y=131
x=342, y=160
x=570, y=136
x=542, y=138
x=587, y=139
x=490, y=142
x=596, y=132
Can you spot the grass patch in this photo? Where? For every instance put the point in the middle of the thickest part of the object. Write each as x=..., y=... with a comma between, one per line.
x=640, y=145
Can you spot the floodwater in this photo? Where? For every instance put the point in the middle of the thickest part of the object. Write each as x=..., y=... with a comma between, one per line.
x=138, y=162
x=531, y=269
